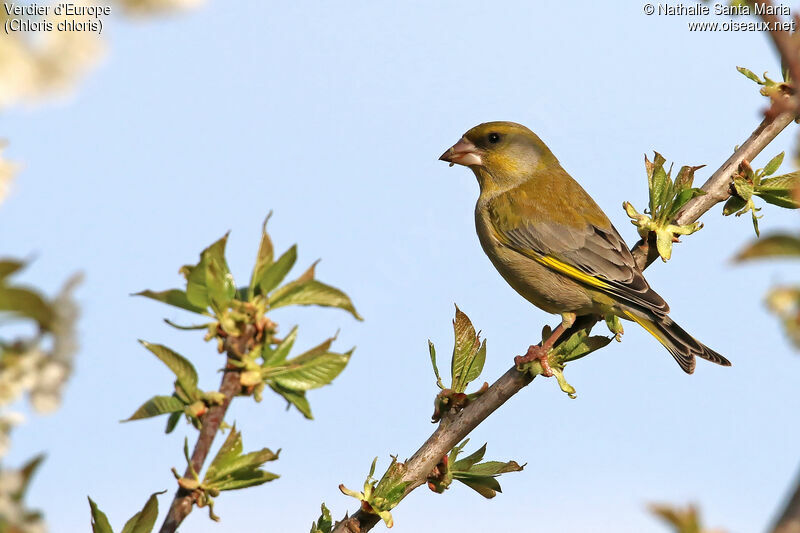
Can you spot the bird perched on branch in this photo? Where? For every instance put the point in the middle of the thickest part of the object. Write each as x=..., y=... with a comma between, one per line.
x=554, y=245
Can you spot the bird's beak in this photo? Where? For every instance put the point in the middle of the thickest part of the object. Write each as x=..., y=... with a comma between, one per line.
x=464, y=153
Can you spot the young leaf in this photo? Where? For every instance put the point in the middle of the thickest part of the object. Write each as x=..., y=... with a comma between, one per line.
x=749, y=74
x=580, y=345
x=468, y=354
x=311, y=373
x=172, y=421
x=780, y=190
x=296, y=398
x=279, y=354
x=144, y=520
x=480, y=476
x=210, y=282
x=324, y=523
x=684, y=521
x=773, y=164
x=27, y=472
x=230, y=470
x=495, y=468
x=26, y=303
x=682, y=199
x=486, y=486
x=174, y=297
x=743, y=188
x=8, y=267
x=312, y=292
x=272, y=276
x=778, y=245
x=466, y=463
x=264, y=258
x=99, y=519
x=432, y=351
x=733, y=205
x=180, y=366
x=158, y=405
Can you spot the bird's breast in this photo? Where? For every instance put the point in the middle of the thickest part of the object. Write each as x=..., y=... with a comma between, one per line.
x=541, y=286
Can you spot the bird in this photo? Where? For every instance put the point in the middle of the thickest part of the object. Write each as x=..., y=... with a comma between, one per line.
x=555, y=246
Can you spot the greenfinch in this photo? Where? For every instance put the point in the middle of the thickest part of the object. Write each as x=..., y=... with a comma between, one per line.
x=554, y=245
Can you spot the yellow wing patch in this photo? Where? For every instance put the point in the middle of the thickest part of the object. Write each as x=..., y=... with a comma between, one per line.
x=551, y=262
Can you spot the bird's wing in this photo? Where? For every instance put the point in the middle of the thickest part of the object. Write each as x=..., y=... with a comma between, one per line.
x=579, y=242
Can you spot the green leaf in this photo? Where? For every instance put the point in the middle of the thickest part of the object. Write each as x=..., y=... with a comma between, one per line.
x=210, y=282
x=432, y=351
x=172, y=421
x=773, y=164
x=99, y=519
x=749, y=74
x=743, y=188
x=272, y=276
x=26, y=303
x=324, y=523
x=296, y=398
x=682, y=199
x=264, y=258
x=778, y=245
x=781, y=190
x=469, y=354
x=230, y=470
x=667, y=194
x=278, y=355
x=755, y=222
x=174, y=297
x=476, y=365
x=305, y=374
x=312, y=292
x=466, y=463
x=580, y=344
x=657, y=181
x=8, y=267
x=27, y=472
x=495, y=468
x=486, y=486
x=158, y=405
x=733, y=205
x=144, y=520
x=192, y=327
x=184, y=370
x=684, y=521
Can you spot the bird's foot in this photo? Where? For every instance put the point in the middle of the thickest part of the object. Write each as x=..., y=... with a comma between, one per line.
x=535, y=353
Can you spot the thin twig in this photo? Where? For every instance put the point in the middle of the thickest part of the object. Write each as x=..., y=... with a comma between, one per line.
x=183, y=501
x=455, y=428
x=789, y=520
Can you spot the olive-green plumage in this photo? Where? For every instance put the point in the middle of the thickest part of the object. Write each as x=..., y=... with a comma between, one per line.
x=553, y=244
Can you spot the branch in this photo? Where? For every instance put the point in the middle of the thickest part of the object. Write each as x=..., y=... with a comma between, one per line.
x=183, y=501
x=789, y=520
x=788, y=46
x=456, y=427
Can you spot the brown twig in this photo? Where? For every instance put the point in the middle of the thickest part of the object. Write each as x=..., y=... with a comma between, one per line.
x=455, y=428
x=789, y=520
x=183, y=501
x=788, y=46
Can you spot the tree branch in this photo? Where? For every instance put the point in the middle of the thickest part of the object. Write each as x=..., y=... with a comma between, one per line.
x=789, y=520
x=183, y=501
x=454, y=428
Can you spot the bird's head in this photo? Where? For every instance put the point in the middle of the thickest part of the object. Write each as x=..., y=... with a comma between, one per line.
x=501, y=154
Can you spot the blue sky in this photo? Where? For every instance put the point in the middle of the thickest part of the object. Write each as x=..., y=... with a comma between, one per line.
x=333, y=115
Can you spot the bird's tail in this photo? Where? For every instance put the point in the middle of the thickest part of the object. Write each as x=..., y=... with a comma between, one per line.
x=680, y=344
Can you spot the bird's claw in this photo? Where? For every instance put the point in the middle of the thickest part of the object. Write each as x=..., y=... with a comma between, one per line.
x=535, y=353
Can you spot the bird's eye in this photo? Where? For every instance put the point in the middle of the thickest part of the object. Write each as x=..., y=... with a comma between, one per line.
x=494, y=138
